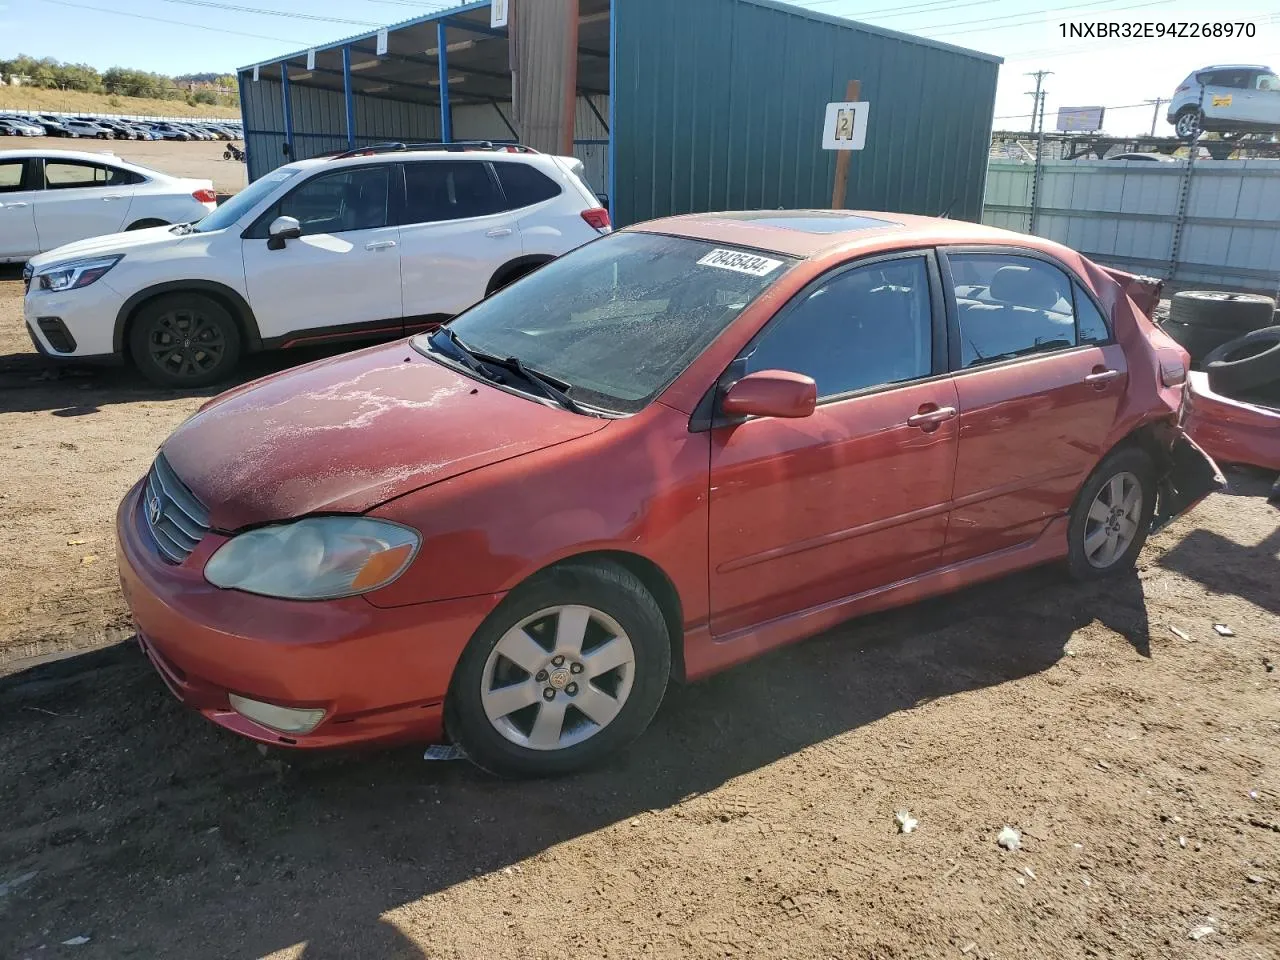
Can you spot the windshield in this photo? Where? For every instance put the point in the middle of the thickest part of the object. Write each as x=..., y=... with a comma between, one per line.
x=244, y=201
x=618, y=319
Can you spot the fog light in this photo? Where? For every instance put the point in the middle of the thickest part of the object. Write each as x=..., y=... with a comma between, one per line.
x=284, y=719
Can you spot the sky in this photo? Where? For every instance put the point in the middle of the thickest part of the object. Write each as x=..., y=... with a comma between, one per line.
x=196, y=36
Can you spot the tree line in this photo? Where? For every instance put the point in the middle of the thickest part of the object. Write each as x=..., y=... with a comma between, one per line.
x=53, y=74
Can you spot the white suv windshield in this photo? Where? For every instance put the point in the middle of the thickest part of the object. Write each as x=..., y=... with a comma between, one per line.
x=244, y=201
x=616, y=320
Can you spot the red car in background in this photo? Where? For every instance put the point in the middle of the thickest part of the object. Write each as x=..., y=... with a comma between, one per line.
x=660, y=455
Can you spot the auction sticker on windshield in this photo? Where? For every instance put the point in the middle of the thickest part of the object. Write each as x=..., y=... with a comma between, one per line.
x=739, y=262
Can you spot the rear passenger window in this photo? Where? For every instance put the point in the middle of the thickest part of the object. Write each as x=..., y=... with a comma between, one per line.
x=66, y=174
x=1091, y=326
x=525, y=186
x=1010, y=306
x=867, y=326
x=11, y=175
x=438, y=190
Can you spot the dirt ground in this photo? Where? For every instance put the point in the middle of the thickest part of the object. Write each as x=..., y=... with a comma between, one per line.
x=199, y=158
x=755, y=819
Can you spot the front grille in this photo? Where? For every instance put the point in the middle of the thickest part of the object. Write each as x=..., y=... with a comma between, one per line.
x=176, y=520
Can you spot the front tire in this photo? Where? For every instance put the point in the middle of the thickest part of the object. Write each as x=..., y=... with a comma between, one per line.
x=567, y=671
x=1112, y=515
x=184, y=340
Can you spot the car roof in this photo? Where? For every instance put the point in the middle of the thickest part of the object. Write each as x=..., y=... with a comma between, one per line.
x=102, y=156
x=814, y=234
x=1233, y=66
x=418, y=156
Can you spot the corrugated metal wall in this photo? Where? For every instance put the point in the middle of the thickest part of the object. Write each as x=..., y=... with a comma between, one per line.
x=1126, y=215
x=320, y=122
x=481, y=122
x=720, y=104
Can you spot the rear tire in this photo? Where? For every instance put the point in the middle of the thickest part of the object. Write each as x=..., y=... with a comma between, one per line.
x=525, y=715
x=184, y=340
x=1112, y=515
x=1188, y=124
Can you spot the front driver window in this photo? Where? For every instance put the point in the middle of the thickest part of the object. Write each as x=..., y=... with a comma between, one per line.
x=865, y=327
x=1268, y=81
x=354, y=199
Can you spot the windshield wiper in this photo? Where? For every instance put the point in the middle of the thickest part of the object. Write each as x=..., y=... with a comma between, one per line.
x=479, y=362
x=548, y=389
x=463, y=354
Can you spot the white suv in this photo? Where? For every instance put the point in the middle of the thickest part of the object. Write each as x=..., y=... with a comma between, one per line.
x=53, y=197
x=380, y=242
x=1234, y=99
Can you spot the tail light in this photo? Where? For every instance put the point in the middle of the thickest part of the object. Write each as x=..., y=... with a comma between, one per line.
x=598, y=217
x=206, y=196
x=1173, y=372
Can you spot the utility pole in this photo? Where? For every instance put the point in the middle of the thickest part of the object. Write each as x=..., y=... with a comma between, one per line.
x=1037, y=113
x=1155, y=116
x=1037, y=103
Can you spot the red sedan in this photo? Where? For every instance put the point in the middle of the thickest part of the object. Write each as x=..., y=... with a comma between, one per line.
x=665, y=453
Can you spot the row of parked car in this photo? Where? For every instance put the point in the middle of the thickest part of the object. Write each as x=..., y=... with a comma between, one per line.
x=102, y=128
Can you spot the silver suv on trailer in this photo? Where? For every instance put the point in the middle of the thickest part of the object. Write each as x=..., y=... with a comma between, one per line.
x=1232, y=99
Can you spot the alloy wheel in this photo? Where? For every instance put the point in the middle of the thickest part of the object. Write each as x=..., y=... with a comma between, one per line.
x=1188, y=125
x=186, y=343
x=558, y=677
x=1112, y=523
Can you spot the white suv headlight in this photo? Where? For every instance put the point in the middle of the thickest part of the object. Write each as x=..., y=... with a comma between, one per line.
x=75, y=274
x=319, y=558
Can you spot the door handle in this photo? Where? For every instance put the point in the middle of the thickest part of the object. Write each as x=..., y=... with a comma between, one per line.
x=13, y=206
x=379, y=244
x=1101, y=376
x=931, y=418
x=114, y=196
x=499, y=232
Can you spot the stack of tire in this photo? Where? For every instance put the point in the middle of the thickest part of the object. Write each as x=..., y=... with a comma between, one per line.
x=1234, y=337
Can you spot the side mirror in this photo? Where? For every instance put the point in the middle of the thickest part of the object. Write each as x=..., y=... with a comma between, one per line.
x=771, y=393
x=282, y=229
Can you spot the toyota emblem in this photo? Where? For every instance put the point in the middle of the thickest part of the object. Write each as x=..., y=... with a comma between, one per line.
x=153, y=510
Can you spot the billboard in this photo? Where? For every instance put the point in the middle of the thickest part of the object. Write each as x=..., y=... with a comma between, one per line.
x=1080, y=119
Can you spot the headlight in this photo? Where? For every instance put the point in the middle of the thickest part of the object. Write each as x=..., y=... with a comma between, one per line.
x=76, y=273
x=320, y=558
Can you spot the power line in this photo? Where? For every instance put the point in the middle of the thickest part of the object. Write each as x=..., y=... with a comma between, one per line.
x=176, y=23
x=292, y=14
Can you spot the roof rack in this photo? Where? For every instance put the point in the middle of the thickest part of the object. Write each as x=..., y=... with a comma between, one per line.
x=456, y=146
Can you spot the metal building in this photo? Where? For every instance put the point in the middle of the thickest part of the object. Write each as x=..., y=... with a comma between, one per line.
x=681, y=106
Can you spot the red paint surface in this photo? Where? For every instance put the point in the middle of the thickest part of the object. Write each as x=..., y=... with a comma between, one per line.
x=1229, y=430
x=767, y=531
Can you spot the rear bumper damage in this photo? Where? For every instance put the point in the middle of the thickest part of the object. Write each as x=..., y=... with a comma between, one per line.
x=1188, y=476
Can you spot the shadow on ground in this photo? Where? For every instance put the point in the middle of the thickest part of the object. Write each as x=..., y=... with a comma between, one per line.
x=157, y=834
x=1216, y=562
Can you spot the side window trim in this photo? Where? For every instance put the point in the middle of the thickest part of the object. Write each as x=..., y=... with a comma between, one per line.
x=939, y=369
x=953, y=319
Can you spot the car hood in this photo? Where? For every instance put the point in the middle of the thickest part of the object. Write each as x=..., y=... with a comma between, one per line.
x=110, y=244
x=346, y=434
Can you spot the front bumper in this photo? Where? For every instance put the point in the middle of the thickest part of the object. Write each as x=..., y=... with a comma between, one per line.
x=88, y=315
x=380, y=675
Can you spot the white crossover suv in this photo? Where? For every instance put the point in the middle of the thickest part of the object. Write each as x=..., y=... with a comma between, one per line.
x=49, y=198
x=379, y=242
